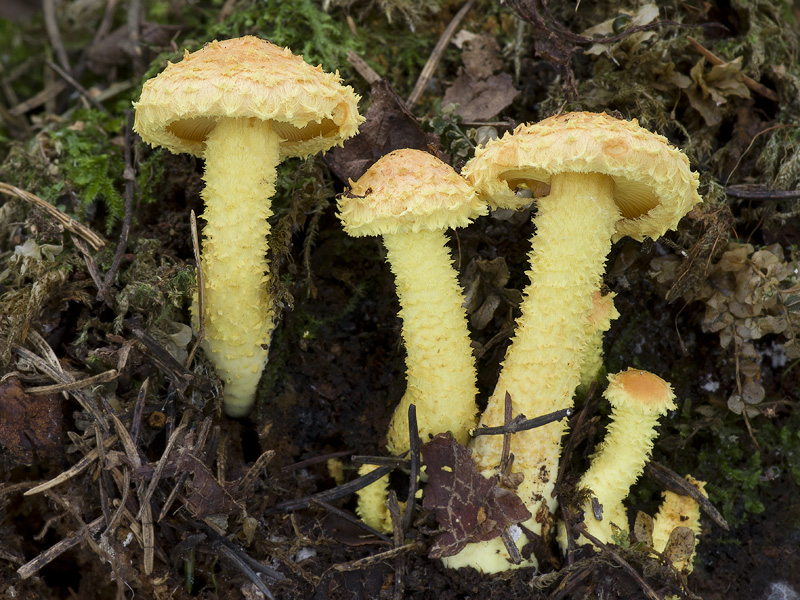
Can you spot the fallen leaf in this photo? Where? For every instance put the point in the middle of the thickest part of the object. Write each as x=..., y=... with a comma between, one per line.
x=468, y=506
x=31, y=426
x=389, y=125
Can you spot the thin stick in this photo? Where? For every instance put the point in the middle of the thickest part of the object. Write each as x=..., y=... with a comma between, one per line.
x=68, y=222
x=51, y=23
x=622, y=562
x=74, y=83
x=411, y=499
x=520, y=423
x=74, y=470
x=436, y=55
x=75, y=385
x=716, y=61
x=201, y=319
x=129, y=175
x=58, y=549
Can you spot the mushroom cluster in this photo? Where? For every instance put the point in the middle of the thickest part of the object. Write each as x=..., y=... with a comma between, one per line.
x=244, y=105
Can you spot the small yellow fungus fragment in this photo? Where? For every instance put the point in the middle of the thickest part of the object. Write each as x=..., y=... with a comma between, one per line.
x=678, y=511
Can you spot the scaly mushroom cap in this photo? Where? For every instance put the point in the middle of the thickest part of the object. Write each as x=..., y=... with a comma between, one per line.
x=408, y=191
x=640, y=391
x=246, y=77
x=653, y=183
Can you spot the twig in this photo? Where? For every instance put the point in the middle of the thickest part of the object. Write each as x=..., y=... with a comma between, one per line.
x=314, y=460
x=129, y=175
x=413, y=479
x=201, y=319
x=520, y=423
x=381, y=461
x=138, y=410
x=749, y=194
x=74, y=470
x=58, y=549
x=375, y=558
x=75, y=385
x=436, y=55
x=162, y=462
x=56, y=374
x=38, y=99
x=749, y=82
x=362, y=68
x=243, y=566
x=670, y=480
x=649, y=592
x=343, y=514
x=68, y=222
x=51, y=23
x=74, y=83
x=340, y=491
x=146, y=509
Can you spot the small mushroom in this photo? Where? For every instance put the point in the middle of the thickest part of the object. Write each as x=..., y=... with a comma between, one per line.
x=243, y=105
x=638, y=398
x=678, y=511
x=411, y=198
x=608, y=178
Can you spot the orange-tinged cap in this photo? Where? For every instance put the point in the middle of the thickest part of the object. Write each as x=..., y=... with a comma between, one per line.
x=252, y=78
x=408, y=190
x=654, y=185
x=641, y=391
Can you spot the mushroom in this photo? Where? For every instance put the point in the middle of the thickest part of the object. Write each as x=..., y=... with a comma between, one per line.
x=608, y=178
x=678, y=511
x=411, y=198
x=602, y=313
x=243, y=105
x=637, y=399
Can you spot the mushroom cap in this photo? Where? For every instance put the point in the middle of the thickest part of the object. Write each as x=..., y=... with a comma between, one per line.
x=654, y=185
x=251, y=78
x=407, y=191
x=640, y=391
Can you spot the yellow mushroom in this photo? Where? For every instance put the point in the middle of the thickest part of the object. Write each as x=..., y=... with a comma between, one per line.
x=678, y=511
x=411, y=198
x=608, y=178
x=638, y=398
x=243, y=105
x=599, y=321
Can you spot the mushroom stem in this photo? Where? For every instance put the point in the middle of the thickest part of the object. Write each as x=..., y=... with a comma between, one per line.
x=574, y=227
x=241, y=158
x=436, y=338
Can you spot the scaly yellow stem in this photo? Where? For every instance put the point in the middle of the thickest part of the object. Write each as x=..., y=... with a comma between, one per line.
x=541, y=370
x=241, y=159
x=440, y=369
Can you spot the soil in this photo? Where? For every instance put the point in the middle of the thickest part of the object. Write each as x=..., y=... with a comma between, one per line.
x=237, y=518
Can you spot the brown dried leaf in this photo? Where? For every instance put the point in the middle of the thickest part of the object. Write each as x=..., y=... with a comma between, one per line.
x=680, y=545
x=480, y=99
x=31, y=426
x=643, y=528
x=389, y=125
x=208, y=496
x=468, y=506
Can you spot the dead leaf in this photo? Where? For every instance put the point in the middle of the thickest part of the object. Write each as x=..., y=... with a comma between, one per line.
x=680, y=546
x=208, y=496
x=389, y=125
x=468, y=506
x=711, y=89
x=484, y=290
x=31, y=426
x=478, y=99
